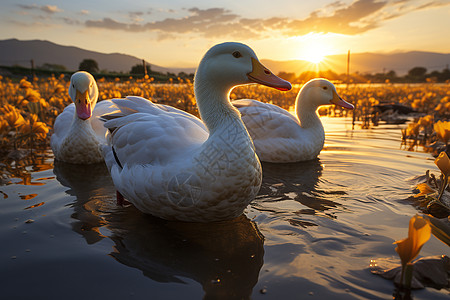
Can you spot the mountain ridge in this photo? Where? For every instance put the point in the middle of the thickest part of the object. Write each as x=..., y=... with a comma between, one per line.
x=18, y=52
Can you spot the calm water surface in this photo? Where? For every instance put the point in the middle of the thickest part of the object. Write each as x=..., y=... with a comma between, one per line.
x=310, y=234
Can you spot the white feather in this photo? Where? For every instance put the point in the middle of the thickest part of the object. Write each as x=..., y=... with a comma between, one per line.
x=171, y=164
x=281, y=137
x=75, y=140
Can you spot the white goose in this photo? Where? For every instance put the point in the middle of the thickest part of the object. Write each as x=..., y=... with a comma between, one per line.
x=281, y=137
x=78, y=130
x=175, y=166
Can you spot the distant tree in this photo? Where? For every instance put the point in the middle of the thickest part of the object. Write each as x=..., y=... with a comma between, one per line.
x=53, y=67
x=328, y=74
x=139, y=69
x=417, y=73
x=287, y=76
x=88, y=65
x=391, y=74
x=306, y=76
x=185, y=75
x=445, y=75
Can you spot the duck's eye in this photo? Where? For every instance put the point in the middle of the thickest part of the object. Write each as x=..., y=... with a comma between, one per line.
x=73, y=85
x=237, y=54
x=325, y=88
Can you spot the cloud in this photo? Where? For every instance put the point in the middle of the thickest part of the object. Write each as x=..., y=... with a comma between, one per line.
x=336, y=17
x=209, y=22
x=50, y=9
x=219, y=22
x=348, y=20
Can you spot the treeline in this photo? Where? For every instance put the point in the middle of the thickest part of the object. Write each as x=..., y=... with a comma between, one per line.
x=91, y=66
x=415, y=75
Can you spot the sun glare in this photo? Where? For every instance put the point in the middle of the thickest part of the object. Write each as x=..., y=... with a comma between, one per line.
x=314, y=48
x=314, y=55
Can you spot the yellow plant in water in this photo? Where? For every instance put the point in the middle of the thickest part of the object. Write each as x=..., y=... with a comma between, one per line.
x=12, y=116
x=443, y=163
x=442, y=129
x=33, y=130
x=424, y=189
x=408, y=249
x=25, y=84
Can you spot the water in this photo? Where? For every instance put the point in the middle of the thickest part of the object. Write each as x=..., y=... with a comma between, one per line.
x=310, y=234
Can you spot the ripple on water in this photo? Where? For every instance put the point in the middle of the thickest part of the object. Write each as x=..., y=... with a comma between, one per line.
x=311, y=231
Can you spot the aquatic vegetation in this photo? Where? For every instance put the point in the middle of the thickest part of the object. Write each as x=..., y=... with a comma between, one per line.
x=431, y=271
x=442, y=129
x=433, y=193
x=427, y=271
x=408, y=249
x=443, y=163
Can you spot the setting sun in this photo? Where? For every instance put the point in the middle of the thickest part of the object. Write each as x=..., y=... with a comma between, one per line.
x=314, y=55
x=315, y=48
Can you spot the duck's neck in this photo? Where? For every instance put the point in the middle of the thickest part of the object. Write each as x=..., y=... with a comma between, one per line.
x=81, y=129
x=214, y=105
x=307, y=111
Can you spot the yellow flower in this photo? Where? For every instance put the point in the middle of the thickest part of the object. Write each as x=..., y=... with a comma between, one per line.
x=424, y=189
x=418, y=234
x=443, y=130
x=425, y=121
x=14, y=118
x=32, y=95
x=443, y=163
x=413, y=129
x=25, y=84
x=59, y=89
x=35, y=129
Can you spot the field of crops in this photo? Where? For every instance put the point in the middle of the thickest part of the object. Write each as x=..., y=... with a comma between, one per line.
x=29, y=108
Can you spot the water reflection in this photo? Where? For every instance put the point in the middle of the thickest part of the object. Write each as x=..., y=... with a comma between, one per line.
x=20, y=164
x=91, y=185
x=224, y=257
x=298, y=182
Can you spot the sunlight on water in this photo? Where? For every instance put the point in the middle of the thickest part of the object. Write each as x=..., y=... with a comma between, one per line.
x=311, y=231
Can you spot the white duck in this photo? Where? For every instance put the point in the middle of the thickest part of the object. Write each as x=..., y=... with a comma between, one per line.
x=175, y=166
x=281, y=137
x=78, y=131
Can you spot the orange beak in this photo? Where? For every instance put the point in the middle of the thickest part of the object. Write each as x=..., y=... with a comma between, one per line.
x=341, y=102
x=83, y=105
x=262, y=75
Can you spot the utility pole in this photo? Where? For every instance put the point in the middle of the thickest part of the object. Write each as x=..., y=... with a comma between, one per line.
x=32, y=68
x=145, y=67
x=348, y=68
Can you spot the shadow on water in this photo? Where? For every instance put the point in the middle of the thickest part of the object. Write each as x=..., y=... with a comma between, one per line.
x=298, y=182
x=224, y=257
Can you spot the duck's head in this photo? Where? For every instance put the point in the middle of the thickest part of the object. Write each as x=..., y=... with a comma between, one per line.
x=230, y=64
x=323, y=92
x=84, y=93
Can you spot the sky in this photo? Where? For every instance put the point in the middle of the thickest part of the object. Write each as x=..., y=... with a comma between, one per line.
x=177, y=33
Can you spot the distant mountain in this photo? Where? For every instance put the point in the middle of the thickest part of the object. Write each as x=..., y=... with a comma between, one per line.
x=15, y=52
x=373, y=63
